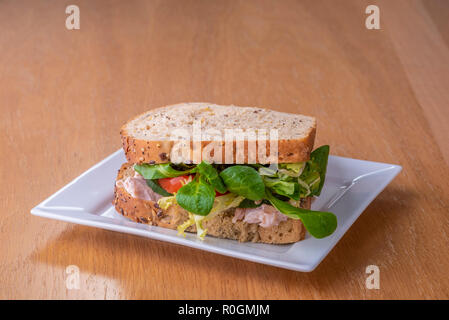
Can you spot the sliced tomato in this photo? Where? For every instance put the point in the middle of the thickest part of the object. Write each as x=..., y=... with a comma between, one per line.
x=172, y=185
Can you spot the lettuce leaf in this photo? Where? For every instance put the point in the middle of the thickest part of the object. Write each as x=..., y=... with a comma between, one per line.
x=165, y=202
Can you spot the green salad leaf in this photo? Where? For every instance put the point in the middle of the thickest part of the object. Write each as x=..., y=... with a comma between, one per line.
x=154, y=185
x=304, y=189
x=211, y=175
x=189, y=222
x=289, y=189
x=166, y=202
x=196, y=196
x=159, y=171
x=246, y=203
x=318, y=164
x=319, y=224
x=292, y=169
x=223, y=203
x=244, y=181
x=267, y=171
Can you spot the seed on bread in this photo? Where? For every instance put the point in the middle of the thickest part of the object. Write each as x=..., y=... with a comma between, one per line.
x=163, y=156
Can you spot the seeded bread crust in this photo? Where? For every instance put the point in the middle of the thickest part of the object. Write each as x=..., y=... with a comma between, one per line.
x=290, y=148
x=221, y=226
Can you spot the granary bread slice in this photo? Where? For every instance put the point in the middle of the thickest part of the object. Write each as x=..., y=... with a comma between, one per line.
x=147, y=137
x=221, y=226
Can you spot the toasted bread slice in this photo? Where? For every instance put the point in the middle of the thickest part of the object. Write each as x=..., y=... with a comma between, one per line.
x=148, y=137
x=220, y=226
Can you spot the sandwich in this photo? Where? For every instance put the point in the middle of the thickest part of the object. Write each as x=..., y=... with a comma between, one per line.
x=240, y=173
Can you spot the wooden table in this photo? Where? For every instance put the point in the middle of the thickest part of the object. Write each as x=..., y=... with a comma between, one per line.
x=381, y=95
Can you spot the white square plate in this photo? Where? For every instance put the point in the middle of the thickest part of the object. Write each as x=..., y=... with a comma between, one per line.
x=350, y=186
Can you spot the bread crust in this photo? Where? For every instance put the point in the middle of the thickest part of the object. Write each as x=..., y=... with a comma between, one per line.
x=155, y=152
x=221, y=226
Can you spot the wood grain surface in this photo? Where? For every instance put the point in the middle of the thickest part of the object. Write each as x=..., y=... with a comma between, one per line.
x=380, y=95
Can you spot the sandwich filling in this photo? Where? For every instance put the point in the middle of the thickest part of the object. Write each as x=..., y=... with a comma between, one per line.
x=261, y=194
x=137, y=187
x=265, y=216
